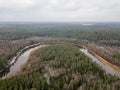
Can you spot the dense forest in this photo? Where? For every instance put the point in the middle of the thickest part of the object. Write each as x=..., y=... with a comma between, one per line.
x=94, y=32
x=10, y=48
x=13, y=36
x=61, y=67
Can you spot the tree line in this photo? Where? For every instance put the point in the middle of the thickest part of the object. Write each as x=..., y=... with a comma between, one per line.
x=71, y=70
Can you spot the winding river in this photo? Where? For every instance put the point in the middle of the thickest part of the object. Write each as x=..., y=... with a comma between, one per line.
x=22, y=59
x=15, y=68
x=106, y=68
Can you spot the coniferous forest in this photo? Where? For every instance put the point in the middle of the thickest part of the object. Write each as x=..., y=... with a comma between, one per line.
x=61, y=67
x=59, y=44
x=14, y=37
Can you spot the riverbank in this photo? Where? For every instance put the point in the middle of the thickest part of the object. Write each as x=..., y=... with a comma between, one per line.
x=37, y=46
x=102, y=60
x=15, y=69
x=11, y=61
x=105, y=62
x=27, y=64
x=23, y=56
x=115, y=68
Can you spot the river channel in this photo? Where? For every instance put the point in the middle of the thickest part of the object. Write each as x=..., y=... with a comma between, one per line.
x=22, y=59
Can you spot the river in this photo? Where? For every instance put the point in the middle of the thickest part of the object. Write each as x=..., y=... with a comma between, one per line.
x=106, y=68
x=22, y=59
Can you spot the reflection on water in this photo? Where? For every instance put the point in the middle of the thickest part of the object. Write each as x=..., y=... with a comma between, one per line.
x=106, y=68
x=15, y=68
x=22, y=59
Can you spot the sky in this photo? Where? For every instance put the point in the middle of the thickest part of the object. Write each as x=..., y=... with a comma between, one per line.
x=60, y=10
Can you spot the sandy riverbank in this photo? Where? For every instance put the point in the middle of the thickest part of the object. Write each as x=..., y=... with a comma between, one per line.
x=105, y=62
x=23, y=67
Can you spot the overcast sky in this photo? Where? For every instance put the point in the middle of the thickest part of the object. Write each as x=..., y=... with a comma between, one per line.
x=60, y=10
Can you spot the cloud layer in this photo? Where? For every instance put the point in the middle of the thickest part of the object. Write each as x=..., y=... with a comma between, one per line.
x=59, y=10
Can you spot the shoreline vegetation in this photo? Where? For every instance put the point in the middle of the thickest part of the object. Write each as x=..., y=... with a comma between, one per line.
x=13, y=37
x=114, y=67
x=30, y=56
x=14, y=59
x=62, y=67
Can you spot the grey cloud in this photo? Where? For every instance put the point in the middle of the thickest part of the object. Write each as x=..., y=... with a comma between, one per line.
x=59, y=10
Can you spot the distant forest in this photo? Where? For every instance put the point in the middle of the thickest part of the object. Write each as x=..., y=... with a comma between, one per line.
x=95, y=32
x=14, y=37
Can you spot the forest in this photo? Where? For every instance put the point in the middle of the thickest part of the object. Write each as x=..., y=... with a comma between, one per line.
x=93, y=33
x=14, y=37
x=61, y=67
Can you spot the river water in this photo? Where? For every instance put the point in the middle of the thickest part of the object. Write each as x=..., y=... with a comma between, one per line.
x=107, y=69
x=22, y=59
x=16, y=67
